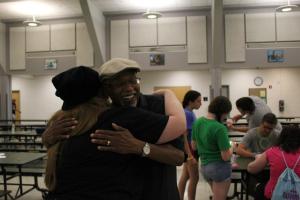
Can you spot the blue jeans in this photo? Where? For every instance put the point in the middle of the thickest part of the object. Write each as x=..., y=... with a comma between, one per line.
x=218, y=171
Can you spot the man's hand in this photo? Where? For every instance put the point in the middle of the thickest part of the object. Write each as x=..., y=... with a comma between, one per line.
x=236, y=118
x=58, y=130
x=119, y=141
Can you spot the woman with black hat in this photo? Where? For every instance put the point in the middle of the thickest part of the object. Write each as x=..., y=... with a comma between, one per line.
x=75, y=168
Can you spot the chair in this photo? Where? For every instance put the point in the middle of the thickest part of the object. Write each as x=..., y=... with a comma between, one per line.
x=235, y=179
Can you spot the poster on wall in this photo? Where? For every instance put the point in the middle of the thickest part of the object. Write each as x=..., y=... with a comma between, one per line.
x=157, y=59
x=275, y=55
x=50, y=64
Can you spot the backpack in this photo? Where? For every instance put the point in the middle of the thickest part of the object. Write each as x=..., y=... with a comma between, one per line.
x=288, y=184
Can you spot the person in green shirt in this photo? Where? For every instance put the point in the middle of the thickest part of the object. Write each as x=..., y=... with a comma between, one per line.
x=210, y=137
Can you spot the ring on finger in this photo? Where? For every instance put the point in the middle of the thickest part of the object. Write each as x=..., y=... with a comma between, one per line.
x=108, y=142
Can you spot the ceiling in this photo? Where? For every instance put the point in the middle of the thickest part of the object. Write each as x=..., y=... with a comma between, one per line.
x=41, y=9
x=14, y=10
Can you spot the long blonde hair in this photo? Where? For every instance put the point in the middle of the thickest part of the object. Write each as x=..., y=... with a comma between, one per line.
x=87, y=115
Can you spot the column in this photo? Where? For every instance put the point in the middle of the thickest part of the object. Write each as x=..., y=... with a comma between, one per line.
x=217, y=53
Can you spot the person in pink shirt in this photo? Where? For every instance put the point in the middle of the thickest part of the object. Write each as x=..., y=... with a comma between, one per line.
x=288, y=143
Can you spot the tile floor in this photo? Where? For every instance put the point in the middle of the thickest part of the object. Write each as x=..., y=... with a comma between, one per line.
x=203, y=190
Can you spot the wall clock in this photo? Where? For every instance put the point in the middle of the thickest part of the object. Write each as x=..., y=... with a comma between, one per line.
x=258, y=81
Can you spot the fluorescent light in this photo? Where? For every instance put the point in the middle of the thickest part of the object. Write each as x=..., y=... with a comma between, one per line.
x=151, y=15
x=286, y=8
x=32, y=23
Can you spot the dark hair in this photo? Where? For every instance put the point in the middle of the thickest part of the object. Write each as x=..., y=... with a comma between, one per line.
x=219, y=106
x=289, y=139
x=246, y=104
x=269, y=118
x=191, y=95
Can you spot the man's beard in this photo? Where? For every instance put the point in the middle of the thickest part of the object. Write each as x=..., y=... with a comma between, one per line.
x=129, y=103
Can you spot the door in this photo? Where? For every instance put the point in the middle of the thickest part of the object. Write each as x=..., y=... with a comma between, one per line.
x=178, y=90
x=16, y=101
x=224, y=91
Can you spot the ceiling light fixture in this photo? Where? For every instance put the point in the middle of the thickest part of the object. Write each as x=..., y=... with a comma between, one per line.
x=32, y=23
x=151, y=15
x=286, y=8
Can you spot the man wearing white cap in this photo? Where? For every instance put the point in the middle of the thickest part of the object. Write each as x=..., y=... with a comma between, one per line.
x=122, y=85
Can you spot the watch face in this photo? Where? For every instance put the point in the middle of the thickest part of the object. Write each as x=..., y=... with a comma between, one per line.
x=146, y=149
x=258, y=81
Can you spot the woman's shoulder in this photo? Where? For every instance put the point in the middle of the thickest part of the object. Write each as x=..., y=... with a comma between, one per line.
x=200, y=120
x=187, y=110
x=210, y=122
x=273, y=151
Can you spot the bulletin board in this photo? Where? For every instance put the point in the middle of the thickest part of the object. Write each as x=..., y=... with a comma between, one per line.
x=259, y=92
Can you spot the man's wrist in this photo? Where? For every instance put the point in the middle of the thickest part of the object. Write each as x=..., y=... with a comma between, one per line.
x=138, y=150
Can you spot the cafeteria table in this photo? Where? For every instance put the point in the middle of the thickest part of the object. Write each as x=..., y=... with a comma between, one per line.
x=291, y=123
x=242, y=164
x=15, y=140
x=18, y=160
x=236, y=136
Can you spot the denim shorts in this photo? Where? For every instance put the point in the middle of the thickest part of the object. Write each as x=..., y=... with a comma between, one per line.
x=218, y=171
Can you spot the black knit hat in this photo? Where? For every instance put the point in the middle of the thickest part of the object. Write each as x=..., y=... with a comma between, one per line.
x=76, y=86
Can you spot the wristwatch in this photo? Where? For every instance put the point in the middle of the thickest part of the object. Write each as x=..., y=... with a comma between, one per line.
x=146, y=150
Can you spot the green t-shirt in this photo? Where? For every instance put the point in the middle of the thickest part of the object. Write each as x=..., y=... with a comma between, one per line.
x=211, y=138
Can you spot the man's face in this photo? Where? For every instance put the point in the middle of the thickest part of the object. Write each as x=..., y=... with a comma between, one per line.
x=124, y=89
x=242, y=111
x=266, y=128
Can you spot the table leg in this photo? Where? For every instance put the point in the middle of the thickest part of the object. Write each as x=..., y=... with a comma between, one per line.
x=247, y=185
x=20, y=180
x=242, y=189
x=4, y=181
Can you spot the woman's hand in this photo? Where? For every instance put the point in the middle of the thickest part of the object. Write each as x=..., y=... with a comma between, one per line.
x=191, y=161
